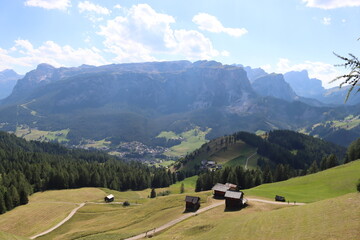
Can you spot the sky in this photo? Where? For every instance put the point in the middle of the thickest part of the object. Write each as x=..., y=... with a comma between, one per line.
x=276, y=35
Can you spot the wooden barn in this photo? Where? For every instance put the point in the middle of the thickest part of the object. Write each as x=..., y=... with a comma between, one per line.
x=220, y=189
x=109, y=198
x=192, y=203
x=234, y=199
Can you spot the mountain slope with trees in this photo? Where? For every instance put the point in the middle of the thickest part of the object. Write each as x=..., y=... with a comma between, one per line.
x=28, y=167
x=136, y=102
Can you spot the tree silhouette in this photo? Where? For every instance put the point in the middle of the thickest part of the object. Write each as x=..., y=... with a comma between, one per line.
x=353, y=77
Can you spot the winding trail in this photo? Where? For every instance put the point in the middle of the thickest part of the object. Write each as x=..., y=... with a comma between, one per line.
x=60, y=223
x=163, y=227
x=175, y=221
x=247, y=160
x=273, y=202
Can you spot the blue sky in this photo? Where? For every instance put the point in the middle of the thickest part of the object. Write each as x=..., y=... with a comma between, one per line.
x=277, y=35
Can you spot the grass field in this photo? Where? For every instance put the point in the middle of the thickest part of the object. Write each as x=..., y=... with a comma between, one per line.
x=314, y=187
x=113, y=221
x=45, y=210
x=8, y=236
x=190, y=141
x=336, y=218
x=101, y=144
x=189, y=185
x=35, y=134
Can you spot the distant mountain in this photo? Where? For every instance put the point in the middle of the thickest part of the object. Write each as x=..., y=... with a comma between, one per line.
x=254, y=73
x=312, y=88
x=274, y=85
x=8, y=80
x=303, y=85
x=136, y=102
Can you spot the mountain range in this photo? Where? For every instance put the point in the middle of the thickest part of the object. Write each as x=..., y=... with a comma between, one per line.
x=136, y=102
x=8, y=80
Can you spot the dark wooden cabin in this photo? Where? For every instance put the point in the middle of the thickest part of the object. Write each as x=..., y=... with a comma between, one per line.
x=192, y=203
x=109, y=198
x=279, y=198
x=234, y=199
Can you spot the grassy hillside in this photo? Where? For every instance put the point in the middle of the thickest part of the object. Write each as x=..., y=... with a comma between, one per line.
x=336, y=218
x=225, y=154
x=8, y=236
x=322, y=185
x=114, y=221
x=190, y=140
x=276, y=147
x=45, y=210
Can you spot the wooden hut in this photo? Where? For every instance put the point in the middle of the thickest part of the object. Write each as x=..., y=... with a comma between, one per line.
x=192, y=203
x=109, y=198
x=279, y=198
x=234, y=199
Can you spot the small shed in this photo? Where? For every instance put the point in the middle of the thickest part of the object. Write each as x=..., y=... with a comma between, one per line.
x=220, y=190
x=109, y=198
x=192, y=203
x=279, y=198
x=234, y=199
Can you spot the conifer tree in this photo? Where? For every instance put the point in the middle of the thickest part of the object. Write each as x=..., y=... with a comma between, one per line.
x=182, y=188
x=2, y=204
x=153, y=193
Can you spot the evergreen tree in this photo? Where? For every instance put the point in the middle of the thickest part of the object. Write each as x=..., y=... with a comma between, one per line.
x=199, y=184
x=2, y=204
x=14, y=196
x=8, y=200
x=331, y=161
x=313, y=168
x=153, y=193
x=353, y=151
x=182, y=188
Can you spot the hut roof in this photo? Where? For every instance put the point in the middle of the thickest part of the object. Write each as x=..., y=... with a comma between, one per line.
x=110, y=196
x=191, y=199
x=220, y=187
x=233, y=194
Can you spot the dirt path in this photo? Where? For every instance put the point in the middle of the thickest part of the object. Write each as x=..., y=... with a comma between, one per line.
x=161, y=228
x=60, y=223
x=247, y=160
x=273, y=202
x=187, y=215
x=175, y=221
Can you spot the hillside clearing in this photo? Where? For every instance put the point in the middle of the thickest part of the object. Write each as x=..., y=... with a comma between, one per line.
x=320, y=220
x=314, y=187
x=122, y=222
x=45, y=210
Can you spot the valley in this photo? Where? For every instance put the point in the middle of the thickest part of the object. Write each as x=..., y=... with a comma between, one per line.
x=224, y=120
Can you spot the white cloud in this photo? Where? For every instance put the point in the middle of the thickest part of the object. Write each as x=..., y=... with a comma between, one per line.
x=210, y=23
x=323, y=71
x=49, y=4
x=326, y=20
x=23, y=55
x=143, y=33
x=331, y=4
x=87, y=6
x=117, y=6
